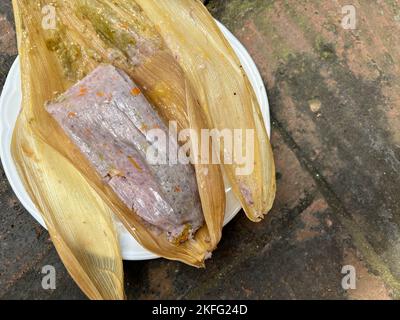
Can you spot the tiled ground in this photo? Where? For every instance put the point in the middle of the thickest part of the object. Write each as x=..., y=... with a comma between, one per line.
x=335, y=103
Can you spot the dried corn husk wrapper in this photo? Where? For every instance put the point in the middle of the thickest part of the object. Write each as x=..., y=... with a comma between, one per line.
x=223, y=91
x=86, y=242
x=77, y=207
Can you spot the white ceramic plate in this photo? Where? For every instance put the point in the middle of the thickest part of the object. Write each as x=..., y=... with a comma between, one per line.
x=10, y=104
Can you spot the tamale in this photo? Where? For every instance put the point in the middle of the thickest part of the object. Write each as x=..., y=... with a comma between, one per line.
x=151, y=41
x=84, y=38
x=108, y=118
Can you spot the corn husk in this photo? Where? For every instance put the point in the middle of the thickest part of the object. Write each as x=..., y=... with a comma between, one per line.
x=160, y=45
x=76, y=206
x=86, y=242
x=222, y=90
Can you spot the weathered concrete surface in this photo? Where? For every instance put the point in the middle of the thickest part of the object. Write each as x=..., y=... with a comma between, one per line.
x=334, y=97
